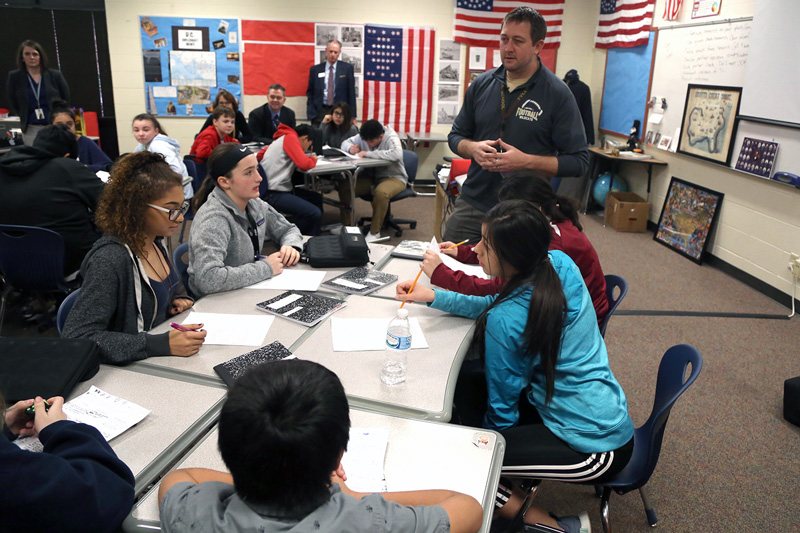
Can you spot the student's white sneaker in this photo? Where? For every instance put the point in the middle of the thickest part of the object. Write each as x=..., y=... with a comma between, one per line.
x=575, y=524
x=375, y=237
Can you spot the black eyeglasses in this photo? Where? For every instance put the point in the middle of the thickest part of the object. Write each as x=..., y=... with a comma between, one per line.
x=173, y=213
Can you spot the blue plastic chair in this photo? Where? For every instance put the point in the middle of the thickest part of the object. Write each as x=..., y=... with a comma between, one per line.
x=411, y=162
x=65, y=308
x=181, y=266
x=31, y=259
x=612, y=283
x=672, y=382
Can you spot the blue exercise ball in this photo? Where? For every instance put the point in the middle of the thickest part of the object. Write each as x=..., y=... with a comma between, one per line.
x=607, y=182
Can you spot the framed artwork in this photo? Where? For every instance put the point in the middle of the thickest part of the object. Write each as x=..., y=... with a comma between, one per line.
x=757, y=157
x=709, y=122
x=688, y=215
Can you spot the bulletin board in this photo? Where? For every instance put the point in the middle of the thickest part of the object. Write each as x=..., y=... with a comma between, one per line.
x=186, y=61
x=625, y=91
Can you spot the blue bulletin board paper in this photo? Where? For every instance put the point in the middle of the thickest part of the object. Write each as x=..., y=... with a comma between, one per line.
x=626, y=86
x=199, y=55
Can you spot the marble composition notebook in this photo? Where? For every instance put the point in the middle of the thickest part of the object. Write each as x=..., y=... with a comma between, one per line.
x=304, y=309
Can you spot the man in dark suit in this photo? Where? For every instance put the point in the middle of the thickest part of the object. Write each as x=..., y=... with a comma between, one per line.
x=335, y=73
x=264, y=120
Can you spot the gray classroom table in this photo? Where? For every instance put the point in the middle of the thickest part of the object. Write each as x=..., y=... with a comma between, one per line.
x=180, y=413
x=432, y=372
x=404, y=269
x=241, y=302
x=420, y=455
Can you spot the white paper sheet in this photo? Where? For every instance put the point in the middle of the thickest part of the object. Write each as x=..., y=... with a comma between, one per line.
x=363, y=460
x=293, y=280
x=233, y=330
x=369, y=334
x=472, y=270
x=110, y=415
x=165, y=92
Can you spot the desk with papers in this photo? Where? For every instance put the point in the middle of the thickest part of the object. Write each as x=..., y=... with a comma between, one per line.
x=447, y=449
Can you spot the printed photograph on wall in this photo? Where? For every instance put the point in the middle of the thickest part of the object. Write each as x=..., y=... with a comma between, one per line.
x=327, y=33
x=687, y=218
x=352, y=36
x=709, y=122
x=449, y=50
x=449, y=71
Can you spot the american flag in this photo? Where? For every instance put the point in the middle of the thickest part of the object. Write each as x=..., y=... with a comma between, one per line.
x=624, y=23
x=398, y=76
x=478, y=22
x=671, y=8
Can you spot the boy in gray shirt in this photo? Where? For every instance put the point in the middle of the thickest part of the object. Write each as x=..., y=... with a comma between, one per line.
x=282, y=433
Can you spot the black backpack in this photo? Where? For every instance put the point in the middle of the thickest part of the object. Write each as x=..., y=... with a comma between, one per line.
x=348, y=249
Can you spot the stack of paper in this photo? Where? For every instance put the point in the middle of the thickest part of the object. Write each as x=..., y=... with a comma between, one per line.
x=234, y=330
x=363, y=460
x=110, y=415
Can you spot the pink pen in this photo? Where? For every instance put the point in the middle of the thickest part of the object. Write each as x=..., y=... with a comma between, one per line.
x=181, y=328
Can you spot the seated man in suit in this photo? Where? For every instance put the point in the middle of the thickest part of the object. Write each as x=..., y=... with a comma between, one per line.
x=329, y=82
x=264, y=120
x=44, y=186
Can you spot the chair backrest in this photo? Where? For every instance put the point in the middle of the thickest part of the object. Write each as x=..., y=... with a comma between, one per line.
x=672, y=381
x=411, y=161
x=194, y=172
x=181, y=266
x=612, y=283
x=65, y=308
x=32, y=258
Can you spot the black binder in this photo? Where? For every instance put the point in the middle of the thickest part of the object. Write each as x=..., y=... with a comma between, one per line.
x=45, y=367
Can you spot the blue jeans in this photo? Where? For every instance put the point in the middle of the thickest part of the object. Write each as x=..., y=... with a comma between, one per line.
x=304, y=206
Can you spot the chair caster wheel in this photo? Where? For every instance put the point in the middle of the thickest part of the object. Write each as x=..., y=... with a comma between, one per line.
x=413, y=225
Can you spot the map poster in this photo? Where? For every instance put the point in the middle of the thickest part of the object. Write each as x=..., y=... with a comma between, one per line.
x=709, y=122
x=687, y=218
x=192, y=68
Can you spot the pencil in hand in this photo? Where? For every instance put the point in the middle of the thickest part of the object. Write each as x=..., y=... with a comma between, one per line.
x=412, y=287
x=465, y=241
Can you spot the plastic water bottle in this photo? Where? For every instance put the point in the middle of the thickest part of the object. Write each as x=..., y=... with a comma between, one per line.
x=398, y=343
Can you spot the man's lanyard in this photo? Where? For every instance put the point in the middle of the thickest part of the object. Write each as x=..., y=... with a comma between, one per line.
x=506, y=113
x=35, y=89
x=252, y=231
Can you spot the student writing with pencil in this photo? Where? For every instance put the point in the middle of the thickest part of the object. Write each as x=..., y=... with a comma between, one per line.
x=543, y=378
x=567, y=236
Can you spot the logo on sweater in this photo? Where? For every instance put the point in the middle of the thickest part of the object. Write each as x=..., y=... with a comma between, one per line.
x=529, y=110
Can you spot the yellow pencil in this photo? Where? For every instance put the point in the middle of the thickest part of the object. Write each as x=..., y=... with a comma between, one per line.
x=412, y=287
x=465, y=241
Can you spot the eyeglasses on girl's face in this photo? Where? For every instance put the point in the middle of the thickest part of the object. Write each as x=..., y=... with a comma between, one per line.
x=173, y=214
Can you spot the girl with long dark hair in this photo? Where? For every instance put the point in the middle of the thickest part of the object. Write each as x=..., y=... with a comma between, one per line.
x=548, y=387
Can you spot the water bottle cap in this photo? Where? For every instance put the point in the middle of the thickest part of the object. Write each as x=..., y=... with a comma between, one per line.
x=402, y=313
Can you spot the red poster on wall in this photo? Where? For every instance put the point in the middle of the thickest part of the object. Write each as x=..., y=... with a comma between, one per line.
x=277, y=52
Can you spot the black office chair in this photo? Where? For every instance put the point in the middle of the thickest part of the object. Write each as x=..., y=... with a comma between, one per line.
x=181, y=266
x=410, y=161
x=64, y=309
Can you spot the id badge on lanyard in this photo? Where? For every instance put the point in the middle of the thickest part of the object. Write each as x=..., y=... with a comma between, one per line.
x=39, y=112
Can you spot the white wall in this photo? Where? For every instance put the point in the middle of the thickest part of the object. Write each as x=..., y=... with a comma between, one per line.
x=759, y=221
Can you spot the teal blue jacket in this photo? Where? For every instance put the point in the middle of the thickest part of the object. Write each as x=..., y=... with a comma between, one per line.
x=588, y=409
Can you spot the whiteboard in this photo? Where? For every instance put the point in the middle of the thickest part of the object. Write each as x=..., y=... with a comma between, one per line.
x=709, y=54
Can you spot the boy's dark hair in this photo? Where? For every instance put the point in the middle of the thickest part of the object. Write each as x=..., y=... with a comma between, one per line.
x=532, y=17
x=371, y=129
x=57, y=140
x=281, y=432
x=538, y=191
x=305, y=129
x=222, y=111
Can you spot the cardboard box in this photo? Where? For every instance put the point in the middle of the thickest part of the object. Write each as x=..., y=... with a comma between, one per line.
x=626, y=211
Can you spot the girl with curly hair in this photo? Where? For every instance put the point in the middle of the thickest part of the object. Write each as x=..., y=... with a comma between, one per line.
x=129, y=283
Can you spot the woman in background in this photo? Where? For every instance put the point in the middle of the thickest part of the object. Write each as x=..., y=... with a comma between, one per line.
x=33, y=88
x=241, y=130
x=152, y=138
x=338, y=126
x=89, y=153
x=129, y=283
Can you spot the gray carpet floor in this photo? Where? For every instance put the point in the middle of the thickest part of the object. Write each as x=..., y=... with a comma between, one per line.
x=730, y=462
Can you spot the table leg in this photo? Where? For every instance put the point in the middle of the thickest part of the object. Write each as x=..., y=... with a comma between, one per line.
x=353, y=177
